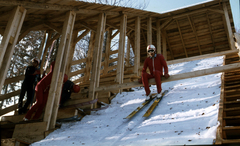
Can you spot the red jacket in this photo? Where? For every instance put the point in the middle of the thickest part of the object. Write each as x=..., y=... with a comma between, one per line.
x=159, y=63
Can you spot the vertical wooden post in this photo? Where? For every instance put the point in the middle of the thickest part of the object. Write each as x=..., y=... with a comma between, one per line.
x=149, y=31
x=164, y=41
x=228, y=27
x=89, y=57
x=58, y=72
x=71, y=52
x=9, y=40
x=137, y=46
x=128, y=53
x=97, y=56
x=42, y=46
x=159, y=47
x=107, y=51
x=120, y=64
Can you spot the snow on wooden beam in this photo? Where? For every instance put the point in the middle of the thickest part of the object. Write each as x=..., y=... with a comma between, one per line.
x=174, y=77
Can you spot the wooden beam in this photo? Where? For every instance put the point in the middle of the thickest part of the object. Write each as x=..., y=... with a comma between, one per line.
x=71, y=52
x=48, y=6
x=149, y=31
x=9, y=40
x=107, y=51
x=187, y=75
x=42, y=46
x=166, y=23
x=128, y=53
x=81, y=36
x=159, y=40
x=169, y=47
x=137, y=46
x=180, y=33
x=164, y=41
x=97, y=56
x=58, y=72
x=116, y=33
x=9, y=95
x=216, y=11
x=237, y=36
x=89, y=57
x=14, y=79
x=53, y=27
x=210, y=29
x=120, y=65
x=229, y=27
x=195, y=33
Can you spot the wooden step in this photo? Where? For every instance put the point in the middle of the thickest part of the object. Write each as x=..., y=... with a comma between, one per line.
x=233, y=86
x=231, y=109
x=231, y=83
x=231, y=76
x=231, y=141
x=233, y=90
x=231, y=128
x=231, y=117
x=231, y=102
x=231, y=96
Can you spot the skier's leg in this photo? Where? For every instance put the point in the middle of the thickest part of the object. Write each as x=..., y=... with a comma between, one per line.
x=158, y=81
x=145, y=77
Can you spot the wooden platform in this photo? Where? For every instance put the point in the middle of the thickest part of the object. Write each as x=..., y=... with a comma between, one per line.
x=229, y=110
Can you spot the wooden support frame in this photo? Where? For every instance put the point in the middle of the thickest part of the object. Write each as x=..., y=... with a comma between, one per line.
x=137, y=46
x=89, y=57
x=195, y=33
x=9, y=40
x=210, y=29
x=42, y=45
x=120, y=65
x=97, y=56
x=128, y=53
x=164, y=41
x=180, y=33
x=159, y=40
x=58, y=72
x=228, y=26
x=107, y=51
x=149, y=31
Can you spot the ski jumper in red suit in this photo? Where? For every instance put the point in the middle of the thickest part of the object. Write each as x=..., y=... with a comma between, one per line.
x=41, y=90
x=155, y=65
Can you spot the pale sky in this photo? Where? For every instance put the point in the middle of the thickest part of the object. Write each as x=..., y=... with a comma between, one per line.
x=162, y=6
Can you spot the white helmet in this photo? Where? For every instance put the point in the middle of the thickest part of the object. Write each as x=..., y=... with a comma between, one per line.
x=151, y=47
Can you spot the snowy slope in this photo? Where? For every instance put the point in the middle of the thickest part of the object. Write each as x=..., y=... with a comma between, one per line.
x=186, y=115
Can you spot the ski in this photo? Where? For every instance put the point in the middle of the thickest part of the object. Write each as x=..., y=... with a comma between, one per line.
x=139, y=108
x=155, y=103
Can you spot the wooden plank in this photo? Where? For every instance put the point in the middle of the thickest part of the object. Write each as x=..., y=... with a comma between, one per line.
x=120, y=64
x=9, y=40
x=58, y=72
x=231, y=141
x=9, y=95
x=89, y=57
x=30, y=132
x=175, y=77
x=164, y=41
x=137, y=45
x=13, y=119
x=127, y=59
x=149, y=31
x=97, y=54
x=194, y=31
x=211, y=33
x=107, y=51
x=229, y=27
x=159, y=41
x=13, y=79
x=183, y=43
x=64, y=45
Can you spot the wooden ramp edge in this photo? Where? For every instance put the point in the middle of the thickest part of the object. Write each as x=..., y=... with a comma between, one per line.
x=228, y=131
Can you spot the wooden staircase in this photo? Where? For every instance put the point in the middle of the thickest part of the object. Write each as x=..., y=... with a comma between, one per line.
x=229, y=109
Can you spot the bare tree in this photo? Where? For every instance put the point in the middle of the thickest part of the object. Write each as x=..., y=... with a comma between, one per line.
x=137, y=4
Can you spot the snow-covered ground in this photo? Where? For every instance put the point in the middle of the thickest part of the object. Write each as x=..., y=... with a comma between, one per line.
x=186, y=115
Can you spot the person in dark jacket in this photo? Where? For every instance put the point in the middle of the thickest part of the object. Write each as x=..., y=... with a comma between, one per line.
x=27, y=85
x=155, y=62
x=68, y=88
x=41, y=90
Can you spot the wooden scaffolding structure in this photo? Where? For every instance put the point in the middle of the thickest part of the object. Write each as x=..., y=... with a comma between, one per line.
x=197, y=32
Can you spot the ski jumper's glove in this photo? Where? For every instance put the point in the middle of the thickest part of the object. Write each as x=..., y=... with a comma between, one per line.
x=166, y=76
